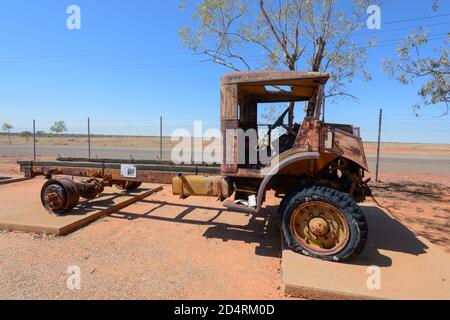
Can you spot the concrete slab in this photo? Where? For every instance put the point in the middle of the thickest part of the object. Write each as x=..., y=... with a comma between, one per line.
x=410, y=267
x=21, y=208
x=7, y=176
x=9, y=180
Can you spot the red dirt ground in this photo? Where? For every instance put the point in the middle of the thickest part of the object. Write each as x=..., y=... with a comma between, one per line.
x=165, y=248
x=420, y=201
x=188, y=249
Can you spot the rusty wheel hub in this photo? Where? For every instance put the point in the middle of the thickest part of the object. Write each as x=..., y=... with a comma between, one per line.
x=54, y=198
x=320, y=228
x=59, y=196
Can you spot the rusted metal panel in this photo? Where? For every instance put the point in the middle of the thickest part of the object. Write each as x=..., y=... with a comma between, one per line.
x=324, y=160
x=294, y=158
x=229, y=148
x=348, y=146
x=229, y=102
x=308, y=138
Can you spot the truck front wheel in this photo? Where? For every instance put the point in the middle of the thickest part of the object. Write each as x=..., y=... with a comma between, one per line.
x=323, y=223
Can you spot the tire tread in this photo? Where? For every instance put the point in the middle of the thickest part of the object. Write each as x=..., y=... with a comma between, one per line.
x=337, y=198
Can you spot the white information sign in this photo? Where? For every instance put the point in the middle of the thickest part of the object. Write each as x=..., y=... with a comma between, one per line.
x=128, y=171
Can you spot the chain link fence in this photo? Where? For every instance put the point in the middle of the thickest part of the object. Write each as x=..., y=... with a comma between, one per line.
x=411, y=147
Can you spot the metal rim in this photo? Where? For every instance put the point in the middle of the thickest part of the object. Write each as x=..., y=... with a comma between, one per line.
x=54, y=198
x=320, y=228
x=58, y=196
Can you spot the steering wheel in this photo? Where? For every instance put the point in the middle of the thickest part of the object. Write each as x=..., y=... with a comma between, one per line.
x=280, y=120
x=280, y=123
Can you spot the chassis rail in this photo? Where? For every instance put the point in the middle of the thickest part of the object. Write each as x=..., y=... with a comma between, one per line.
x=146, y=171
x=109, y=172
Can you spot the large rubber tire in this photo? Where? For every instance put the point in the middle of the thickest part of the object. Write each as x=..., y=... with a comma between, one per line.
x=355, y=219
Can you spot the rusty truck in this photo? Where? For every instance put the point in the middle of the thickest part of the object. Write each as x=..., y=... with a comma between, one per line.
x=318, y=171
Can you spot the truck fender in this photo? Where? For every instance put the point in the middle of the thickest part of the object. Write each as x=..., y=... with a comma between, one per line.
x=276, y=166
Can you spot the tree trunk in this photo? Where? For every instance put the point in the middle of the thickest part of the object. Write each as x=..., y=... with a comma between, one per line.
x=318, y=55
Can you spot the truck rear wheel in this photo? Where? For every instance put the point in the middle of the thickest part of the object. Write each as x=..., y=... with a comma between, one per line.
x=323, y=223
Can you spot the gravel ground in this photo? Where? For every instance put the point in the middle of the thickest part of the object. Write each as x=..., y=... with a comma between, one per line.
x=150, y=251
x=169, y=248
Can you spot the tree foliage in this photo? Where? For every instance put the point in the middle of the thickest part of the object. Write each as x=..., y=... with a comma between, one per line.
x=314, y=35
x=26, y=134
x=59, y=127
x=431, y=71
x=8, y=127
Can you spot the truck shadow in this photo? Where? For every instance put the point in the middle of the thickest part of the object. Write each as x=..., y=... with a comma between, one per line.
x=386, y=234
x=262, y=229
x=416, y=191
x=105, y=201
x=86, y=207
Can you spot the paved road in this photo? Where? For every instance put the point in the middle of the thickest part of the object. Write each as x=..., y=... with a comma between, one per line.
x=389, y=163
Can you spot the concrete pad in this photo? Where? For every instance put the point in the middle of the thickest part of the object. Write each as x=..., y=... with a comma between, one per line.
x=411, y=267
x=12, y=178
x=22, y=210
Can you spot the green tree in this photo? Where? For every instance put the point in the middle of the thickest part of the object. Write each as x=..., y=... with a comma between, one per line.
x=8, y=127
x=26, y=134
x=432, y=71
x=311, y=34
x=59, y=127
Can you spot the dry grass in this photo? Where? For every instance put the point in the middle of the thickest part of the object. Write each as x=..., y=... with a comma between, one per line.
x=97, y=141
x=409, y=148
x=154, y=142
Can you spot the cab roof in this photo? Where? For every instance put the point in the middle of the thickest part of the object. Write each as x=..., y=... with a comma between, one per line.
x=277, y=77
x=276, y=86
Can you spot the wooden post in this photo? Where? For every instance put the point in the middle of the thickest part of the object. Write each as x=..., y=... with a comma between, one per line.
x=379, y=146
x=89, y=138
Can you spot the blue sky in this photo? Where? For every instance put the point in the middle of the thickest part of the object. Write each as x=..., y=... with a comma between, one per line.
x=126, y=67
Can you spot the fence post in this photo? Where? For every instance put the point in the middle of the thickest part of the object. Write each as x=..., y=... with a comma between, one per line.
x=379, y=145
x=89, y=138
x=160, y=137
x=34, y=139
